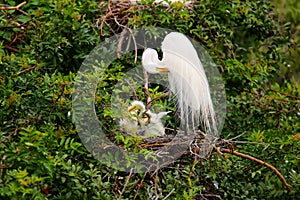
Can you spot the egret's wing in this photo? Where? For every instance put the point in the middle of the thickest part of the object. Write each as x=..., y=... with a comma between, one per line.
x=188, y=81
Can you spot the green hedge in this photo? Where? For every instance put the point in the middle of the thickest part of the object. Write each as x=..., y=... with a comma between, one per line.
x=43, y=46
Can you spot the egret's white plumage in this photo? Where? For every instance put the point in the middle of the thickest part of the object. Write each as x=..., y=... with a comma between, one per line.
x=155, y=126
x=129, y=125
x=142, y=123
x=133, y=122
x=136, y=108
x=187, y=80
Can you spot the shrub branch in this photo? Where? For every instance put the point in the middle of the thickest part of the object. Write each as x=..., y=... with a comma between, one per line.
x=223, y=150
x=12, y=7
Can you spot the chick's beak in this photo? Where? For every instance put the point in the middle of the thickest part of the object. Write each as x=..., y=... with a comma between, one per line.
x=162, y=69
x=131, y=108
x=146, y=117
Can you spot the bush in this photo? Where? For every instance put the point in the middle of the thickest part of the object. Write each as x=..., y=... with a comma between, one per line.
x=43, y=45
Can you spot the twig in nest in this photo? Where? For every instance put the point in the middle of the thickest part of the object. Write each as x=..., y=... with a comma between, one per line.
x=110, y=28
x=223, y=150
x=240, y=135
x=164, y=141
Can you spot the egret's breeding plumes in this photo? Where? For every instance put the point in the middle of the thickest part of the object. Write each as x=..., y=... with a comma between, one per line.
x=187, y=80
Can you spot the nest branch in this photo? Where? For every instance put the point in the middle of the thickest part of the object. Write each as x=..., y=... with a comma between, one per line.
x=156, y=143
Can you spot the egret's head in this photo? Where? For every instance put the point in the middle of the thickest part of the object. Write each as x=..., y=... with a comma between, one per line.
x=151, y=63
x=137, y=108
x=156, y=117
x=145, y=119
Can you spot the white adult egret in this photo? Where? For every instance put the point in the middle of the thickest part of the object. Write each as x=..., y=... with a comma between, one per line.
x=187, y=81
x=142, y=123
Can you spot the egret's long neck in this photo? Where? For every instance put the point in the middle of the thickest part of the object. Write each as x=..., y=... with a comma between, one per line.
x=150, y=61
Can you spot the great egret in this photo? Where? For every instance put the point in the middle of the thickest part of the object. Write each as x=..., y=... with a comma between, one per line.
x=187, y=80
x=142, y=123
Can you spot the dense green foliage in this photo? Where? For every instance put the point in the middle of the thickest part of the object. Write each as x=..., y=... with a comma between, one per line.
x=288, y=12
x=42, y=48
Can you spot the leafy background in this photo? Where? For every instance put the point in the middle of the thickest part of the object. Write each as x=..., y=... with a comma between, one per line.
x=254, y=43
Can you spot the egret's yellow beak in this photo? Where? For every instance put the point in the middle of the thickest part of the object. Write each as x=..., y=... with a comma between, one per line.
x=131, y=108
x=162, y=69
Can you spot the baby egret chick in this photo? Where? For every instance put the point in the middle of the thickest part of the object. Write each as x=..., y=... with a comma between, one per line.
x=129, y=126
x=155, y=126
x=136, y=109
x=134, y=121
x=142, y=123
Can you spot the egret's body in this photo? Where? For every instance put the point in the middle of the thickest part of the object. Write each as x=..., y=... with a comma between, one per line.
x=128, y=125
x=187, y=80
